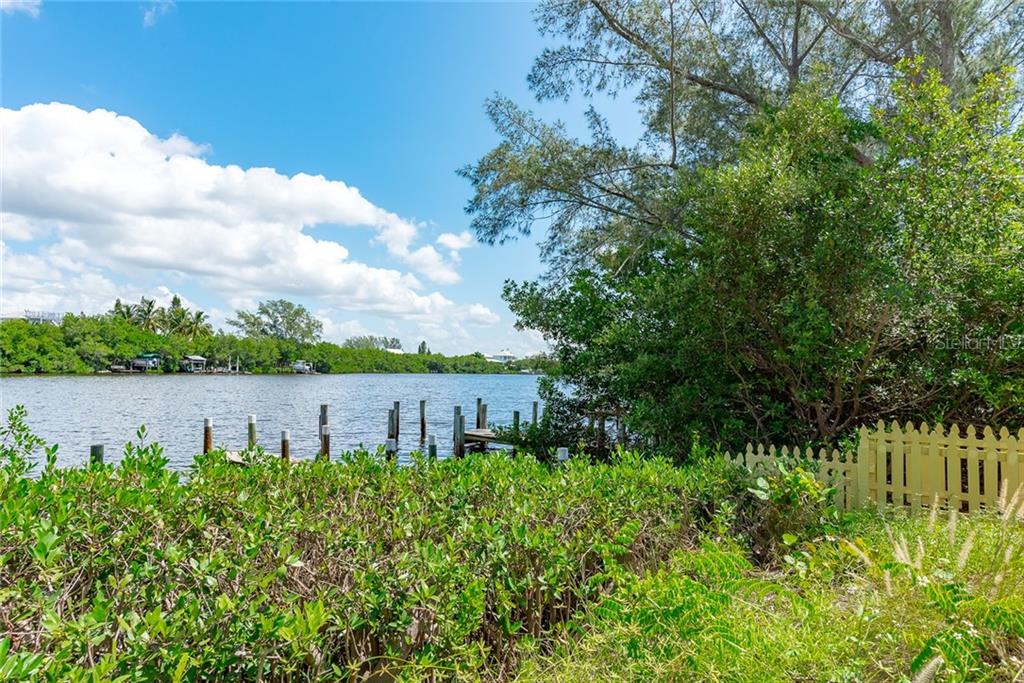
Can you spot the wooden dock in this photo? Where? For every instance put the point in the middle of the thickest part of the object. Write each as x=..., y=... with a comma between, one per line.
x=484, y=436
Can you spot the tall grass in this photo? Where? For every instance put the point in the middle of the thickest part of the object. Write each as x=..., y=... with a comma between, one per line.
x=894, y=598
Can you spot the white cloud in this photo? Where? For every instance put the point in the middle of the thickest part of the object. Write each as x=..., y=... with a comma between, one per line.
x=450, y=240
x=29, y=7
x=155, y=11
x=117, y=199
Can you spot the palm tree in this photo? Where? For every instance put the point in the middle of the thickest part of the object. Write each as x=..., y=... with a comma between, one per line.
x=121, y=310
x=196, y=325
x=176, y=318
x=146, y=315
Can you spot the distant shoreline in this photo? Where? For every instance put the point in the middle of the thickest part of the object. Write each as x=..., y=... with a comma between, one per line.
x=252, y=374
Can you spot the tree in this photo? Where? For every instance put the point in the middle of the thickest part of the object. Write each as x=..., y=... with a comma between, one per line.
x=700, y=73
x=370, y=341
x=822, y=294
x=195, y=325
x=279, y=319
x=175, y=319
x=423, y=349
x=146, y=315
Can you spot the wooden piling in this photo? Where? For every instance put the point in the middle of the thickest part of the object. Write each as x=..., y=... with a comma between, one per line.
x=462, y=436
x=285, y=445
x=397, y=420
x=252, y=431
x=423, y=421
x=391, y=448
x=479, y=409
x=432, y=447
x=96, y=454
x=535, y=413
x=483, y=416
x=455, y=429
x=515, y=422
x=323, y=419
x=391, y=424
x=325, y=441
x=207, y=435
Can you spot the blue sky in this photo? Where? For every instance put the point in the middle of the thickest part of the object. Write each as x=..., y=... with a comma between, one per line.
x=187, y=182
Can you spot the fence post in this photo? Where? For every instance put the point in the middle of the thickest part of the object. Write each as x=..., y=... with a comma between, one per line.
x=990, y=449
x=325, y=441
x=423, y=420
x=915, y=467
x=207, y=435
x=898, y=464
x=252, y=431
x=285, y=445
x=936, y=465
x=863, y=468
x=953, y=472
x=96, y=454
x=1012, y=473
x=881, y=466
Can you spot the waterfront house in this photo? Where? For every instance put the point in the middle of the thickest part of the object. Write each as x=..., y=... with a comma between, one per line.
x=503, y=356
x=193, y=364
x=145, y=361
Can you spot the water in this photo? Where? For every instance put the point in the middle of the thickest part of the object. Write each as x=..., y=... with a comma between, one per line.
x=108, y=409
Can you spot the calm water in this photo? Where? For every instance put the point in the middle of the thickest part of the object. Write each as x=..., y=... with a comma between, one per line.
x=78, y=411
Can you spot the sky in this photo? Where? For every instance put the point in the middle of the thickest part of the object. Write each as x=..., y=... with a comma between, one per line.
x=236, y=152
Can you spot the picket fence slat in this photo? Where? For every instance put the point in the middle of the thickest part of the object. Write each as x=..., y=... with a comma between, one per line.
x=917, y=467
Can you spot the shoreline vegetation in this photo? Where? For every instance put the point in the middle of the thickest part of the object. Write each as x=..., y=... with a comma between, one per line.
x=490, y=568
x=269, y=341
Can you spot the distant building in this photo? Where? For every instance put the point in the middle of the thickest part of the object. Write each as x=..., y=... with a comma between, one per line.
x=193, y=364
x=503, y=356
x=38, y=317
x=398, y=351
x=145, y=361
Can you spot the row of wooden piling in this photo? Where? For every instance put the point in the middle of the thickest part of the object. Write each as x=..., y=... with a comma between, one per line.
x=393, y=430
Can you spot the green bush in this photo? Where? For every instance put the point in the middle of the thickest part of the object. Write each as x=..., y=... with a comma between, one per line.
x=293, y=571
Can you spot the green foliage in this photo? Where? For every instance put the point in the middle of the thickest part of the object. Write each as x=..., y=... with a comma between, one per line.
x=802, y=293
x=83, y=344
x=370, y=341
x=279, y=319
x=892, y=599
x=314, y=569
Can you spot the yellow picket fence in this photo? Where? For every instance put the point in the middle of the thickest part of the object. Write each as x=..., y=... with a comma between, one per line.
x=910, y=466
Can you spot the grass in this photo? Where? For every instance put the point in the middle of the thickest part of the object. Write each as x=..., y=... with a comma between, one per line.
x=894, y=598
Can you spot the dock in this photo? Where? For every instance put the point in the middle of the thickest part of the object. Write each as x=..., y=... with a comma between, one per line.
x=484, y=436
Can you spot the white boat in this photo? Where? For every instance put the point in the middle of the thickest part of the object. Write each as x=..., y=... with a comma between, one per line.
x=302, y=367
